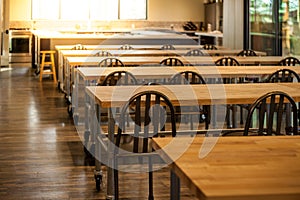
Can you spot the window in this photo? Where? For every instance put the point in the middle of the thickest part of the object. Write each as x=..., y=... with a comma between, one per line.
x=133, y=9
x=89, y=9
x=104, y=10
x=45, y=9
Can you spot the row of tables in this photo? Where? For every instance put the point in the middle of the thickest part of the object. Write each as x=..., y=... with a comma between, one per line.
x=205, y=182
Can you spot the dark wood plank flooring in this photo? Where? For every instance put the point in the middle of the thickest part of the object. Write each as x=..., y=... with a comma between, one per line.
x=41, y=155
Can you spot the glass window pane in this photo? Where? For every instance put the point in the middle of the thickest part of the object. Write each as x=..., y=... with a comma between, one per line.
x=133, y=9
x=45, y=9
x=75, y=9
x=104, y=10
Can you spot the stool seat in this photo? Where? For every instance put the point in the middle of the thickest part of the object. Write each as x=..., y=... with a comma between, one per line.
x=50, y=63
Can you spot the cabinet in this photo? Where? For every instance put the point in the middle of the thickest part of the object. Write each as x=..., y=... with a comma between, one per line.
x=214, y=15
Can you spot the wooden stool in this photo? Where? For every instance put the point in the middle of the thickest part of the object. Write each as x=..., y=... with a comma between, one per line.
x=50, y=63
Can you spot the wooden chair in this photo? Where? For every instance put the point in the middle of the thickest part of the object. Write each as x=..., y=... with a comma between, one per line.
x=119, y=78
x=50, y=64
x=110, y=62
x=283, y=75
x=270, y=113
x=79, y=47
x=125, y=47
x=167, y=47
x=172, y=62
x=229, y=61
x=186, y=78
x=247, y=52
x=148, y=118
x=103, y=54
x=210, y=47
x=289, y=61
x=196, y=52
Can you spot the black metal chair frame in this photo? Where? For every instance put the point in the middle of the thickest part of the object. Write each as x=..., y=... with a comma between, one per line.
x=172, y=61
x=196, y=52
x=191, y=77
x=147, y=124
x=103, y=53
x=210, y=47
x=247, y=52
x=167, y=47
x=289, y=61
x=111, y=62
x=125, y=47
x=283, y=75
x=119, y=78
x=269, y=106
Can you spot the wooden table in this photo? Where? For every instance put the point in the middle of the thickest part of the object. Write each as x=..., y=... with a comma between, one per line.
x=179, y=95
x=84, y=76
x=71, y=62
x=136, y=46
x=243, y=168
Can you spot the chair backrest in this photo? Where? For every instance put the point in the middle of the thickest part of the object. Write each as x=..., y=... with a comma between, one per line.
x=247, y=52
x=283, y=75
x=195, y=52
x=119, y=78
x=171, y=62
x=187, y=77
x=79, y=47
x=289, y=61
x=125, y=47
x=227, y=61
x=272, y=108
x=148, y=112
x=110, y=62
x=210, y=47
x=103, y=53
x=167, y=47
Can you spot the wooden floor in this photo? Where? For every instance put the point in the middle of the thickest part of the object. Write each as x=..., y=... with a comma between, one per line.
x=41, y=155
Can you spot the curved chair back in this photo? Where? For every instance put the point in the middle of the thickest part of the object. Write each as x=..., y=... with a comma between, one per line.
x=210, y=47
x=289, y=61
x=148, y=111
x=272, y=109
x=110, y=62
x=187, y=77
x=172, y=62
x=283, y=75
x=79, y=47
x=119, y=78
x=247, y=52
x=195, y=52
x=167, y=47
x=125, y=47
x=227, y=61
x=103, y=53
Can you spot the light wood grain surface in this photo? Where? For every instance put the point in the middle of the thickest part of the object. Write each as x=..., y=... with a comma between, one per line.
x=208, y=94
x=208, y=60
x=166, y=72
x=151, y=52
x=243, y=168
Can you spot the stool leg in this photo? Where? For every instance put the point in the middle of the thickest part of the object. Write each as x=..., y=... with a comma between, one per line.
x=53, y=67
x=42, y=66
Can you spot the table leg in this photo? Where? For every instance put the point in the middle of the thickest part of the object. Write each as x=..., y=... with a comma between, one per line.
x=175, y=186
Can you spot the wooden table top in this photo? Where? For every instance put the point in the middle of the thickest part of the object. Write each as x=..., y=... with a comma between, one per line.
x=151, y=52
x=165, y=72
x=182, y=95
x=106, y=47
x=140, y=60
x=243, y=168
